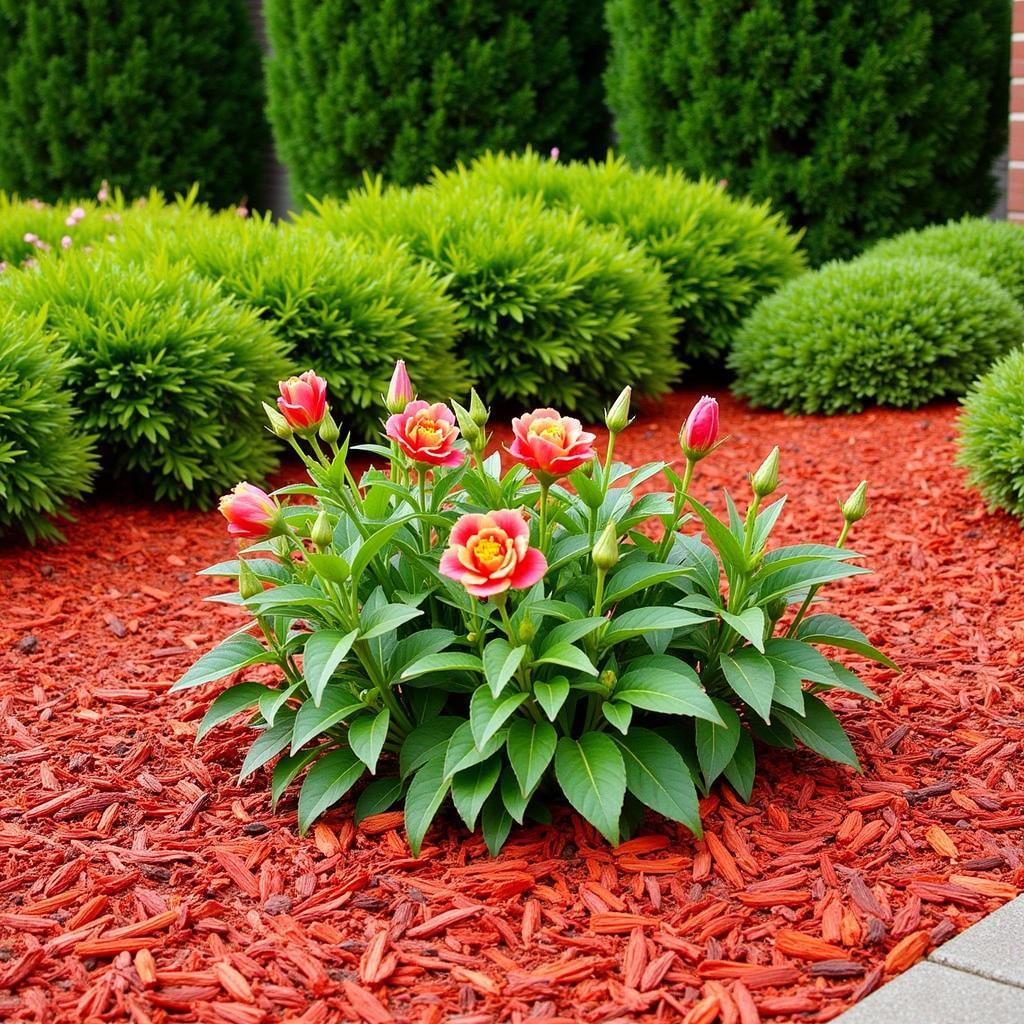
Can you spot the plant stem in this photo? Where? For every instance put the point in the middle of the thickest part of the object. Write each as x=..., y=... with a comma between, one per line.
x=424, y=526
x=678, y=504
x=814, y=590
x=544, y=488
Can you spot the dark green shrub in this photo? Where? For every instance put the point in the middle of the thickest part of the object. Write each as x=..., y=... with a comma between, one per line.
x=345, y=308
x=556, y=312
x=44, y=460
x=400, y=86
x=992, y=434
x=720, y=254
x=858, y=118
x=988, y=247
x=873, y=332
x=145, y=94
x=166, y=369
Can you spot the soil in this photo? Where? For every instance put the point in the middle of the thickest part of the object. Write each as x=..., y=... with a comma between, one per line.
x=139, y=882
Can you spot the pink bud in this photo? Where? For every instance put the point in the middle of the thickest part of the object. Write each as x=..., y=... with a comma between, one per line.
x=700, y=431
x=242, y=211
x=65, y=242
x=104, y=193
x=554, y=152
x=251, y=512
x=70, y=221
x=3, y=267
x=399, y=390
x=30, y=238
x=303, y=401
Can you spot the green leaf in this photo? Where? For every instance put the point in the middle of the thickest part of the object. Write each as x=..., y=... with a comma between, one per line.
x=797, y=579
x=640, y=621
x=512, y=796
x=588, y=489
x=462, y=751
x=378, y=796
x=751, y=677
x=386, y=619
x=740, y=771
x=500, y=662
x=326, y=783
x=274, y=699
x=789, y=691
x=568, y=657
x=592, y=775
x=809, y=664
x=268, y=569
x=702, y=562
x=472, y=786
x=447, y=661
x=846, y=680
x=658, y=777
x=571, y=632
x=619, y=713
x=230, y=702
x=729, y=548
x=366, y=736
x=426, y=742
x=837, y=632
x=488, y=714
x=637, y=576
x=495, y=824
x=427, y=791
x=820, y=730
x=531, y=746
x=234, y=653
x=377, y=539
x=655, y=689
x=551, y=694
x=336, y=705
x=268, y=744
x=287, y=769
x=749, y=624
x=333, y=568
x=418, y=645
x=324, y=652
x=716, y=744
x=297, y=594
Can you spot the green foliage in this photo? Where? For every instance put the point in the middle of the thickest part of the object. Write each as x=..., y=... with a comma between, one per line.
x=992, y=434
x=139, y=93
x=47, y=225
x=45, y=461
x=555, y=311
x=992, y=248
x=615, y=681
x=165, y=370
x=344, y=307
x=873, y=332
x=720, y=254
x=858, y=118
x=400, y=86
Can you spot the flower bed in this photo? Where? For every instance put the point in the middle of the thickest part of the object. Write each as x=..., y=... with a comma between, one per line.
x=795, y=903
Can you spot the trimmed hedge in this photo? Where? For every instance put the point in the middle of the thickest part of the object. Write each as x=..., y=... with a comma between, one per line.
x=992, y=434
x=988, y=247
x=721, y=253
x=343, y=307
x=145, y=94
x=556, y=312
x=873, y=332
x=166, y=369
x=858, y=118
x=401, y=86
x=45, y=461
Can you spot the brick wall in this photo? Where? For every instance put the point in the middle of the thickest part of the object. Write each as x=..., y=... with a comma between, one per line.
x=1015, y=173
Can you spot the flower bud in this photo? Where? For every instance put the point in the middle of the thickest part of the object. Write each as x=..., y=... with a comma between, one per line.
x=606, y=550
x=278, y=424
x=400, y=392
x=766, y=479
x=856, y=505
x=303, y=401
x=467, y=425
x=616, y=419
x=252, y=514
x=609, y=679
x=480, y=413
x=329, y=432
x=527, y=630
x=249, y=584
x=321, y=533
x=700, y=431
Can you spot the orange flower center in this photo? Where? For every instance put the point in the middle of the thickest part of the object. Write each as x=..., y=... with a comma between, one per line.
x=550, y=430
x=488, y=553
x=426, y=433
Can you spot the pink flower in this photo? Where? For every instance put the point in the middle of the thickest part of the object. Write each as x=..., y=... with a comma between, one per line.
x=251, y=513
x=399, y=390
x=74, y=216
x=554, y=152
x=65, y=242
x=549, y=444
x=30, y=238
x=104, y=193
x=700, y=431
x=426, y=433
x=488, y=554
x=303, y=401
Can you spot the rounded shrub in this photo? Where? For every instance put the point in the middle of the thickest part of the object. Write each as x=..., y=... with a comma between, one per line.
x=45, y=459
x=165, y=369
x=992, y=434
x=858, y=118
x=989, y=247
x=401, y=86
x=873, y=332
x=145, y=94
x=555, y=312
x=720, y=253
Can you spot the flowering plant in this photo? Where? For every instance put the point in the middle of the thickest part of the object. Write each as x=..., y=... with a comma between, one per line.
x=495, y=636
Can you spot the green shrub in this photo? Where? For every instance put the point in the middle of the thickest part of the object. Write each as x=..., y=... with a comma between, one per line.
x=167, y=367
x=30, y=227
x=345, y=308
x=45, y=461
x=720, y=254
x=555, y=311
x=141, y=93
x=885, y=332
x=988, y=247
x=858, y=118
x=992, y=434
x=400, y=86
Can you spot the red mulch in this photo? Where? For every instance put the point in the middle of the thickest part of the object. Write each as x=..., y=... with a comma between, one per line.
x=139, y=882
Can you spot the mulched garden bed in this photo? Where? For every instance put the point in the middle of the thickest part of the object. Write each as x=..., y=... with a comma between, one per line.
x=138, y=882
